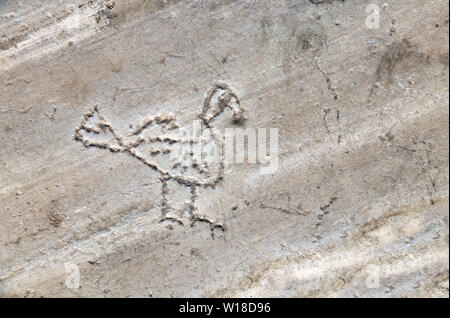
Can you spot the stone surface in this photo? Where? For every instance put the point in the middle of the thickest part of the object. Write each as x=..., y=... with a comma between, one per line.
x=358, y=206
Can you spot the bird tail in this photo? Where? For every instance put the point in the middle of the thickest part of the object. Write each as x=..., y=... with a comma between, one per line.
x=96, y=131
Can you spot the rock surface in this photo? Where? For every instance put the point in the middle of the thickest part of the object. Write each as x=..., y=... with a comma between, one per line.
x=358, y=206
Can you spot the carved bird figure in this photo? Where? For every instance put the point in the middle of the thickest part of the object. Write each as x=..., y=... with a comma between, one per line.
x=181, y=155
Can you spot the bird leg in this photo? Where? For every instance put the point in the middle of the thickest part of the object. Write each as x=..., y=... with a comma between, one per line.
x=184, y=211
x=164, y=204
x=196, y=217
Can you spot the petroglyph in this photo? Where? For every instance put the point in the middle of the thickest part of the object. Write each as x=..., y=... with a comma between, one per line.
x=327, y=110
x=119, y=200
x=143, y=144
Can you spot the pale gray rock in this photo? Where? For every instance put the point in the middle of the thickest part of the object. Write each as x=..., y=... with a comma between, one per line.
x=358, y=206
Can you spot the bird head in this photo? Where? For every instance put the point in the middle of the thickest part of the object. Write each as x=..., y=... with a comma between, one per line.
x=221, y=97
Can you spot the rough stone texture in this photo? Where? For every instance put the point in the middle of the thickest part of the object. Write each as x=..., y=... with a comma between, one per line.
x=362, y=183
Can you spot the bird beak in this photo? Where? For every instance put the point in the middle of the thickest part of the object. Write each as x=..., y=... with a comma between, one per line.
x=238, y=112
